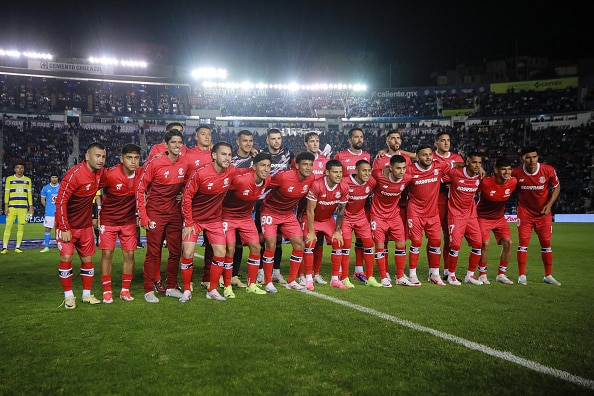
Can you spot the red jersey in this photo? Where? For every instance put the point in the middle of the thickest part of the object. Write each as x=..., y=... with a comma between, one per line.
x=242, y=196
x=463, y=188
x=161, y=148
x=450, y=158
x=319, y=166
x=327, y=198
x=358, y=194
x=493, y=196
x=386, y=194
x=380, y=163
x=423, y=189
x=161, y=180
x=286, y=191
x=197, y=157
x=348, y=159
x=534, y=189
x=119, y=196
x=202, y=198
x=74, y=203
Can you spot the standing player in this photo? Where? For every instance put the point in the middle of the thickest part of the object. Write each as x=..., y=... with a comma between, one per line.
x=277, y=213
x=538, y=189
x=202, y=210
x=494, y=193
x=119, y=220
x=281, y=161
x=74, y=223
x=49, y=192
x=326, y=196
x=386, y=222
x=348, y=158
x=238, y=204
x=360, y=185
x=18, y=205
x=462, y=217
x=422, y=212
x=442, y=153
x=242, y=159
x=162, y=180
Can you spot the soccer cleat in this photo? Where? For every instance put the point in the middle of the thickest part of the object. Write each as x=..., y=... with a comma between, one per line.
x=150, y=297
x=318, y=279
x=159, y=288
x=91, y=299
x=270, y=288
x=221, y=282
x=386, y=282
x=107, y=297
x=472, y=279
x=235, y=281
x=338, y=284
x=175, y=292
x=347, y=282
x=483, y=278
x=404, y=281
x=445, y=277
x=278, y=278
x=44, y=250
x=294, y=286
x=4, y=251
x=501, y=278
x=371, y=281
x=214, y=295
x=69, y=302
x=17, y=250
x=414, y=280
x=254, y=289
x=126, y=296
x=260, y=277
x=228, y=292
x=436, y=280
x=187, y=296
x=551, y=281
x=309, y=285
x=452, y=280
x=205, y=285
x=522, y=280
x=301, y=280
x=361, y=276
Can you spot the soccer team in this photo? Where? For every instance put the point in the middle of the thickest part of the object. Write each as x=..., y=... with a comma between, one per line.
x=309, y=200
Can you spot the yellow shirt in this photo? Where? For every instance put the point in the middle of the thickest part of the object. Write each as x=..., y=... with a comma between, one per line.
x=18, y=192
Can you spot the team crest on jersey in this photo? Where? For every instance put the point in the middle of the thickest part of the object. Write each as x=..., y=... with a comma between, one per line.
x=507, y=192
x=226, y=182
x=385, y=186
x=180, y=171
x=209, y=186
x=436, y=172
x=305, y=188
x=402, y=187
x=367, y=190
x=246, y=192
x=88, y=186
x=166, y=174
x=541, y=179
x=462, y=181
x=324, y=195
x=337, y=195
x=119, y=186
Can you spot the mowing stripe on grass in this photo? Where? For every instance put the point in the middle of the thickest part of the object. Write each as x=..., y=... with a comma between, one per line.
x=587, y=383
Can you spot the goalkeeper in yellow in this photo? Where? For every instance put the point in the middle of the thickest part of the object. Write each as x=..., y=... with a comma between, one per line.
x=18, y=203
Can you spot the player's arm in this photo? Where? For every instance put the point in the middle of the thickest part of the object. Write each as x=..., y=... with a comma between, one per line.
x=554, y=195
x=338, y=229
x=30, y=198
x=6, y=194
x=311, y=214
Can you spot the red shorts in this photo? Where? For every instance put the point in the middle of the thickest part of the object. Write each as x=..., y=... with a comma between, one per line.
x=214, y=232
x=500, y=229
x=327, y=227
x=431, y=226
x=359, y=225
x=387, y=230
x=543, y=225
x=288, y=224
x=109, y=234
x=83, y=240
x=246, y=227
x=461, y=227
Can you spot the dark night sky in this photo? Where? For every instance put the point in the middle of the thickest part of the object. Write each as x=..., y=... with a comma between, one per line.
x=287, y=41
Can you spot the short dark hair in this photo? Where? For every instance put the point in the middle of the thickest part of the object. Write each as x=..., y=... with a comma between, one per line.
x=528, y=149
x=352, y=130
x=272, y=130
x=361, y=162
x=304, y=156
x=397, y=159
x=203, y=126
x=440, y=134
x=310, y=134
x=333, y=163
x=502, y=162
x=261, y=157
x=218, y=145
x=95, y=145
x=392, y=132
x=423, y=147
x=245, y=132
x=474, y=154
x=171, y=133
x=172, y=125
x=130, y=148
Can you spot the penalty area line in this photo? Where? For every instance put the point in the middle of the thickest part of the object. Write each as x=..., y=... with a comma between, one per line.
x=587, y=383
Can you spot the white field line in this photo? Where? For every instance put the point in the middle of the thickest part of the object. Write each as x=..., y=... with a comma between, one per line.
x=587, y=383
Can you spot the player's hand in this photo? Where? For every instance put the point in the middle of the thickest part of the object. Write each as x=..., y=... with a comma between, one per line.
x=381, y=153
x=188, y=231
x=66, y=236
x=338, y=238
x=310, y=237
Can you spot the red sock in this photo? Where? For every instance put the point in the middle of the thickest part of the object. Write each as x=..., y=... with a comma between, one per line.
x=318, y=253
x=268, y=263
x=294, y=263
x=106, y=283
x=253, y=264
x=187, y=270
x=86, y=275
x=126, y=281
x=216, y=270
x=308, y=259
x=400, y=259
x=522, y=257
x=228, y=270
x=547, y=260
x=65, y=272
